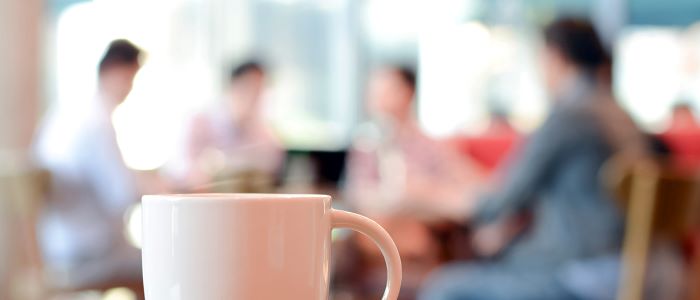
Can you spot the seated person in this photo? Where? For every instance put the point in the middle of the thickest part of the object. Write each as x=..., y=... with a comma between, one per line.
x=491, y=147
x=683, y=138
x=394, y=166
x=407, y=181
x=556, y=176
x=232, y=139
x=82, y=228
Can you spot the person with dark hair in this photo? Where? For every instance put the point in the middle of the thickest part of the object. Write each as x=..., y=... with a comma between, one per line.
x=490, y=147
x=251, y=66
x=404, y=179
x=683, y=137
x=408, y=75
x=120, y=53
x=233, y=138
x=82, y=230
x=555, y=176
x=430, y=170
x=117, y=70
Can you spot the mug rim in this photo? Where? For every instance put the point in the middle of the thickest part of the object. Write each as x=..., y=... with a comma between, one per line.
x=234, y=197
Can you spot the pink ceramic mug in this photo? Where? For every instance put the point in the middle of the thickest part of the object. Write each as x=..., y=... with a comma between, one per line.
x=248, y=246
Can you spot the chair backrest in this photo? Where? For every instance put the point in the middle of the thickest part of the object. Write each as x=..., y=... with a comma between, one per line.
x=660, y=202
x=675, y=194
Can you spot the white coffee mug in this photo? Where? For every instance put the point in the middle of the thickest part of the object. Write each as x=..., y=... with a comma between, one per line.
x=248, y=246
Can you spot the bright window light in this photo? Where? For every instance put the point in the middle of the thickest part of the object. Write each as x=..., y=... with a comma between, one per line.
x=133, y=226
x=648, y=72
x=389, y=22
x=452, y=60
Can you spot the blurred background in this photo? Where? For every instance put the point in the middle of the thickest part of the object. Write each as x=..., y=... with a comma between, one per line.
x=543, y=149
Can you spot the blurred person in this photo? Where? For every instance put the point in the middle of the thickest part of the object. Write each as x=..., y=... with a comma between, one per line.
x=492, y=146
x=412, y=184
x=393, y=165
x=233, y=137
x=92, y=188
x=575, y=224
x=683, y=138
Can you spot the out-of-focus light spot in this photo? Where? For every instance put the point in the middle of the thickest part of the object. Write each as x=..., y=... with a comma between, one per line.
x=119, y=293
x=391, y=22
x=142, y=134
x=288, y=2
x=454, y=61
x=387, y=24
x=133, y=226
x=468, y=69
x=648, y=72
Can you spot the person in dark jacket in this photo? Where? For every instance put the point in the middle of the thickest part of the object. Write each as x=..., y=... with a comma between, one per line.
x=556, y=176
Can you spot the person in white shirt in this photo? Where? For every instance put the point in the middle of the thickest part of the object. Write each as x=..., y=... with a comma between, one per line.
x=92, y=188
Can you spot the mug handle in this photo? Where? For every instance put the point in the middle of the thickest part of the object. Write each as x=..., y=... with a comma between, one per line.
x=364, y=225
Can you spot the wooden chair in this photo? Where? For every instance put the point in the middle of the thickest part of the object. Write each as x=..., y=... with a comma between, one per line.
x=660, y=204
